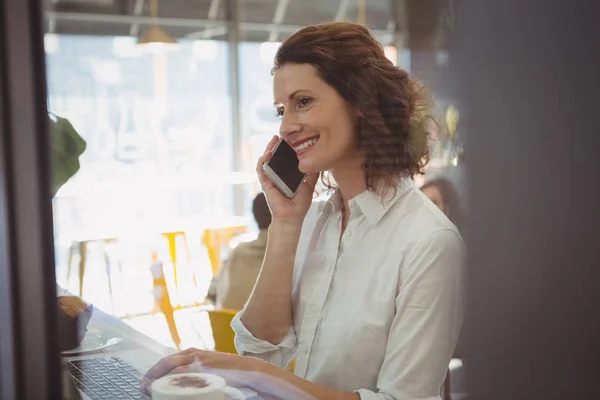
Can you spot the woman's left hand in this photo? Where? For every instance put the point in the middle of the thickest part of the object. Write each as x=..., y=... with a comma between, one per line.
x=236, y=369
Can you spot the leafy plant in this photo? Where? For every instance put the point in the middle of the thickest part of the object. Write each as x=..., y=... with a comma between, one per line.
x=66, y=147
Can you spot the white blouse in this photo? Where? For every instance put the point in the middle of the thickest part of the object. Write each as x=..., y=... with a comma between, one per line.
x=379, y=311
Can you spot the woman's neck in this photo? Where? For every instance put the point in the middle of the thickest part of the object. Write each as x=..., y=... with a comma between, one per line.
x=351, y=183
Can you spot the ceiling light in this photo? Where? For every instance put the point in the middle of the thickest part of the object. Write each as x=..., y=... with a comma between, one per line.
x=156, y=38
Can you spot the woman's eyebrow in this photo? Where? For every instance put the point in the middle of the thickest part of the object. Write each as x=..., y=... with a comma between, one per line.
x=292, y=95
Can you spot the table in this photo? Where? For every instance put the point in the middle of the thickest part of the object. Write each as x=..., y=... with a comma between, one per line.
x=143, y=352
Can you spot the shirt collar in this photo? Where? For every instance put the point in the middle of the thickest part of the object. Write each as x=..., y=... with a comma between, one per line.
x=335, y=200
x=263, y=235
x=374, y=206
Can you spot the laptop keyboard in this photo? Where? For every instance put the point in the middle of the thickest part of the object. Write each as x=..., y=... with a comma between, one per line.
x=107, y=378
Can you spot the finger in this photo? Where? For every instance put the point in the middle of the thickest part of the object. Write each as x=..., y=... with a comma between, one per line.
x=272, y=144
x=311, y=180
x=307, y=187
x=261, y=162
x=191, y=350
x=167, y=364
x=267, y=154
x=264, y=180
x=145, y=386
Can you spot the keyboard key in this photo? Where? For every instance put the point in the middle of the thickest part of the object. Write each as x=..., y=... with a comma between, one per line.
x=104, y=379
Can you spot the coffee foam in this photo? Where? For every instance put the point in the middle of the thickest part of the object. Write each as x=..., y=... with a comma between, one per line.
x=189, y=386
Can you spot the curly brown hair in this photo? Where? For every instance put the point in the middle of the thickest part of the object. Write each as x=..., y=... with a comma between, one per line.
x=392, y=133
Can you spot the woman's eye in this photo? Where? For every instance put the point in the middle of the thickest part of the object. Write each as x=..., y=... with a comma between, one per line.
x=304, y=101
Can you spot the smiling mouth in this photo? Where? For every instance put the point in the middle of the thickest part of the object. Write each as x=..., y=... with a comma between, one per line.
x=305, y=145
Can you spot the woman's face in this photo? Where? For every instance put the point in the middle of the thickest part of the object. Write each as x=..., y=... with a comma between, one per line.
x=315, y=120
x=434, y=194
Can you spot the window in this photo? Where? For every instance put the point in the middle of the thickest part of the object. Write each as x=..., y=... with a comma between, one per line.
x=158, y=131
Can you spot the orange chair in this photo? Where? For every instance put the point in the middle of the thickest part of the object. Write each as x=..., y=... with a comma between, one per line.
x=220, y=322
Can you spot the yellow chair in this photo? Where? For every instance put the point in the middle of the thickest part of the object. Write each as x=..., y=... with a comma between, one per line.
x=213, y=239
x=220, y=322
x=172, y=239
x=163, y=300
x=292, y=366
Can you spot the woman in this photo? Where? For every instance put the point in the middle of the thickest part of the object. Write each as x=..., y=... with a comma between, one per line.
x=444, y=195
x=364, y=290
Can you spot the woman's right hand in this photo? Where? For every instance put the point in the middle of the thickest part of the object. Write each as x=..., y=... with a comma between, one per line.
x=284, y=210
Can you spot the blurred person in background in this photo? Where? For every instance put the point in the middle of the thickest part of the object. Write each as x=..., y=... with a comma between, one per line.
x=444, y=195
x=364, y=290
x=232, y=286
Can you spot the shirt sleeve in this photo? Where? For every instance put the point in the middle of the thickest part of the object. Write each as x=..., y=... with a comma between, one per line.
x=246, y=344
x=429, y=312
x=282, y=353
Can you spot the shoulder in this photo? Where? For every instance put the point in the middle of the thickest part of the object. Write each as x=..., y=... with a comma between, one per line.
x=415, y=212
x=424, y=233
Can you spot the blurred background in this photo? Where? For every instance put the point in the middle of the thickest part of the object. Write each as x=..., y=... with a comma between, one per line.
x=174, y=101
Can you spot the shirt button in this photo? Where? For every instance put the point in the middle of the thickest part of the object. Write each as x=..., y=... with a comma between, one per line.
x=349, y=233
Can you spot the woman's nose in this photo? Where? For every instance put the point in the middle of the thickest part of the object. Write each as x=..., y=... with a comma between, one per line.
x=289, y=125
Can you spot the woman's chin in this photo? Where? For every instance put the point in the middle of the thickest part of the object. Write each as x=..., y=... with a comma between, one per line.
x=308, y=168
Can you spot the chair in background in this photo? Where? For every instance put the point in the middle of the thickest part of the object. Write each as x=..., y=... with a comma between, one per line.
x=162, y=298
x=220, y=322
x=80, y=246
x=172, y=239
x=215, y=239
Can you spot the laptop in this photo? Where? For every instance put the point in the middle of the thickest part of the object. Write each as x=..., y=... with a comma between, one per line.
x=116, y=376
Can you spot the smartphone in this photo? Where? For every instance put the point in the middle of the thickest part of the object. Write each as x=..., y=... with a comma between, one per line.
x=283, y=170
